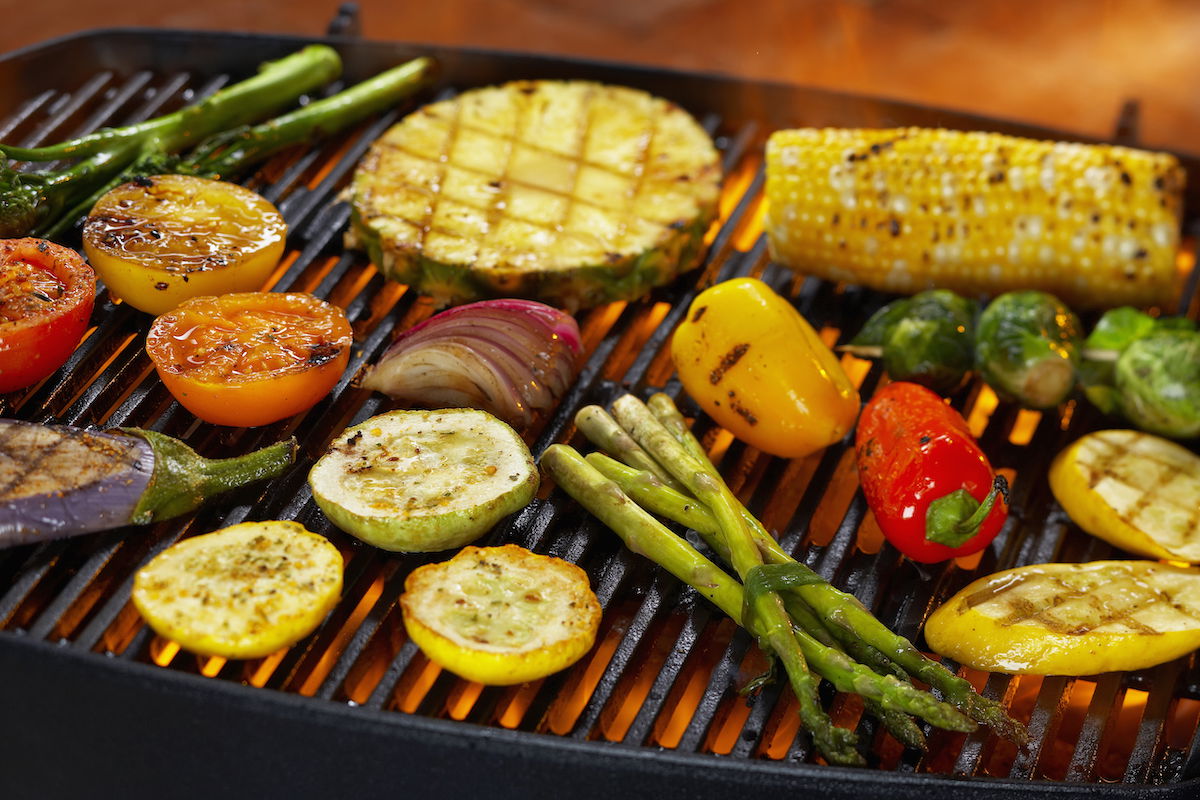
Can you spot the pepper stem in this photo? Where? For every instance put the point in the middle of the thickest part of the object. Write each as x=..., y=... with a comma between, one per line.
x=952, y=520
x=183, y=480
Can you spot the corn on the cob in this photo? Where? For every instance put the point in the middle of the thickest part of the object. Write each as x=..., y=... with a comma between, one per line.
x=911, y=209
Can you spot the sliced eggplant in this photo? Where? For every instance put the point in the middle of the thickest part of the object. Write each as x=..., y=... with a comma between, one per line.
x=58, y=481
x=422, y=481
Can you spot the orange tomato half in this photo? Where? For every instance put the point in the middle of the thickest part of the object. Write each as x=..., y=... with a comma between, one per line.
x=250, y=358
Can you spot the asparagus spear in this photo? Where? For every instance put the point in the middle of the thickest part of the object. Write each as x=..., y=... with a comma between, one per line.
x=853, y=624
x=649, y=493
x=646, y=535
x=769, y=618
x=603, y=431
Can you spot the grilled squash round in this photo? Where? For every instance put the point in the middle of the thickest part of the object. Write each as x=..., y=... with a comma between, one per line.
x=501, y=615
x=245, y=591
x=572, y=193
x=1134, y=490
x=421, y=481
x=1071, y=619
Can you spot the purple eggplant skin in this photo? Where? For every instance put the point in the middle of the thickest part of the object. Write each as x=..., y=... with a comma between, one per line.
x=57, y=481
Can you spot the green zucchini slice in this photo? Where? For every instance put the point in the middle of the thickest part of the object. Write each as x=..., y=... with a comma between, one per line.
x=423, y=481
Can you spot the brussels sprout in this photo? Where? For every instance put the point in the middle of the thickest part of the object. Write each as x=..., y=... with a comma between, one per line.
x=1114, y=332
x=1157, y=380
x=927, y=339
x=1027, y=348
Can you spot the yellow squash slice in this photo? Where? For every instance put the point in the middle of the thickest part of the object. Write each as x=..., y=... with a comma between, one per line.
x=242, y=592
x=1071, y=619
x=1135, y=490
x=501, y=615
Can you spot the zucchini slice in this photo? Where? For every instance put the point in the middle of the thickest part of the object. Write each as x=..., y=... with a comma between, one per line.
x=245, y=591
x=501, y=615
x=568, y=192
x=422, y=481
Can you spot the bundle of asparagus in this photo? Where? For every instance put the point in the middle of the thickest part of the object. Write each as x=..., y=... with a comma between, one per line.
x=798, y=618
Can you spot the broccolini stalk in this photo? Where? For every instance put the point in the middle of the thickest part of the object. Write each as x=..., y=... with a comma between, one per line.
x=46, y=203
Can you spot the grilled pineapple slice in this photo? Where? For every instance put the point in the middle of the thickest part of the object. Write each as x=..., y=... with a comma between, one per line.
x=1135, y=490
x=572, y=193
x=1071, y=619
x=245, y=591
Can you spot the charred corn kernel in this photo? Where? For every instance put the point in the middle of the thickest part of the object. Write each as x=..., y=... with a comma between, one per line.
x=1134, y=490
x=911, y=209
x=1071, y=619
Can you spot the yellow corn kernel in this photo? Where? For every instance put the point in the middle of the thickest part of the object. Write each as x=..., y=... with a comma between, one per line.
x=910, y=209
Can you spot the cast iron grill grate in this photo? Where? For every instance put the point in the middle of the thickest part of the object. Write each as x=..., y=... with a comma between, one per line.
x=666, y=667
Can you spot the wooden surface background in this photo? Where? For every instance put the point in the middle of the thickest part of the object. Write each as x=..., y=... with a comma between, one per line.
x=1065, y=63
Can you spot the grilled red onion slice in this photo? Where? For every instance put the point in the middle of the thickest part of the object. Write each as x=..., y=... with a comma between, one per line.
x=512, y=358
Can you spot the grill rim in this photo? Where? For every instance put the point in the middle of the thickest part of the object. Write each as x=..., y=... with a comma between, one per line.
x=207, y=704
x=175, y=720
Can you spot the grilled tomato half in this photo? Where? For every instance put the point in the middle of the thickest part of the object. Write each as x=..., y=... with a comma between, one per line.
x=501, y=615
x=245, y=591
x=250, y=358
x=158, y=241
x=46, y=298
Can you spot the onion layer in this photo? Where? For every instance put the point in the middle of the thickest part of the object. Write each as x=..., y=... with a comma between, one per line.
x=511, y=358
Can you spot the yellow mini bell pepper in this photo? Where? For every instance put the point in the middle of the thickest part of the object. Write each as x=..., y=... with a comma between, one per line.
x=757, y=367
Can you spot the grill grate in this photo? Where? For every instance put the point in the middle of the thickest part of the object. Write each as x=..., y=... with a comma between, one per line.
x=666, y=667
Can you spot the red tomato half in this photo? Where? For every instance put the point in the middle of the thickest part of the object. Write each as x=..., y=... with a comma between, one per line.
x=46, y=297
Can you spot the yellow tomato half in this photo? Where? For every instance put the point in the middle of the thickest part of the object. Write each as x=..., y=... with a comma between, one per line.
x=158, y=241
x=251, y=358
x=757, y=367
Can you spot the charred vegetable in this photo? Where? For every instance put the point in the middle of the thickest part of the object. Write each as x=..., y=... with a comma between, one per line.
x=250, y=358
x=511, y=358
x=501, y=615
x=1146, y=369
x=1157, y=380
x=46, y=296
x=931, y=488
x=59, y=481
x=1137, y=491
x=242, y=592
x=928, y=339
x=796, y=615
x=1027, y=348
x=47, y=202
x=418, y=481
x=757, y=367
x=569, y=192
x=160, y=240
x=1071, y=619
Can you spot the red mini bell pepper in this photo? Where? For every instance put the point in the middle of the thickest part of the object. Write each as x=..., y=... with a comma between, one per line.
x=930, y=486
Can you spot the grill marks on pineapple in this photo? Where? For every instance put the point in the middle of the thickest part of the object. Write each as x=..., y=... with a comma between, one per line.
x=498, y=211
x=1034, y=597
x=572, y=192
x=1134, y=472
